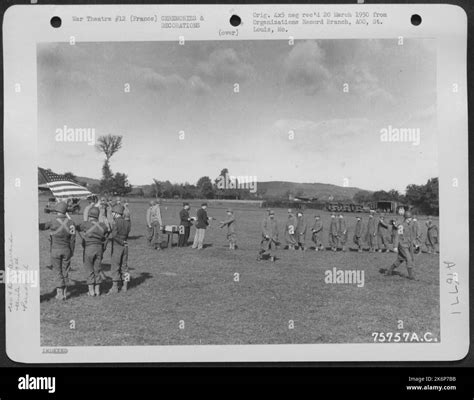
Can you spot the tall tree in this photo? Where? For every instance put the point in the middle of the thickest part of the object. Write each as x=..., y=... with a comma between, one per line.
x=109, y=145
x=205, y=187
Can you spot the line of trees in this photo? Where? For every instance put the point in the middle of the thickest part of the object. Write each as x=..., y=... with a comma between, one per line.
x=204, y=188
x=423, y=198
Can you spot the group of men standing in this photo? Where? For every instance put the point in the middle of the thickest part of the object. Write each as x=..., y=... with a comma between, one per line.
x=156, y=227
x=107, y=222
x=103, y=223
x=379, y=235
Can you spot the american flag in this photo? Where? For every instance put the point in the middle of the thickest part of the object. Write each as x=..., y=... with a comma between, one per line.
x=61, y=186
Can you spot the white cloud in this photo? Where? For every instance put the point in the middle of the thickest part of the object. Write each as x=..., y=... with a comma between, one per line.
x=304, y=67
x=225, y=65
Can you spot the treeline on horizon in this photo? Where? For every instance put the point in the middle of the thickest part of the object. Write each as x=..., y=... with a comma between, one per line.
x=423, y=198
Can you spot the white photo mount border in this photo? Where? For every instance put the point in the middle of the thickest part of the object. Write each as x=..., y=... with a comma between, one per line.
x=26, y=26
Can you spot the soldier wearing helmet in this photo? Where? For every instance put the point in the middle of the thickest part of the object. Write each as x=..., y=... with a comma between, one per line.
x=230, y=224
x=382, y=227
x=62, y=244
x=406, y=243
x=290, y=231
x=269, y=241
x=118, y=237
x=370, y=236
x=94, y=234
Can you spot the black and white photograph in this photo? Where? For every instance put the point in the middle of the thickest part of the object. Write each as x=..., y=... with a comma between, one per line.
x=216, y=183
x=244, y=192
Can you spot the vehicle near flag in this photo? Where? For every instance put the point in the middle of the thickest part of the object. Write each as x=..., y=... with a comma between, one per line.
x=73, y=206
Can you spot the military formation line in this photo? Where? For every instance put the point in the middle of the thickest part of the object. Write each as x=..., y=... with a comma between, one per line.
x=108, y=223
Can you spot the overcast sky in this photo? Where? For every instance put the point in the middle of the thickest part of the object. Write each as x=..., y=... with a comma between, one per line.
x=190, y=88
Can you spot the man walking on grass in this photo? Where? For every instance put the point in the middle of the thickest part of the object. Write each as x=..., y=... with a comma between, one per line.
x=406, y=246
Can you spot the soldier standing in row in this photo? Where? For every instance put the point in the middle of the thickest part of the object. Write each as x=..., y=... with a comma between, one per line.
x=269, y=237
x=62, y=244
x=126, y=217
x=118, y=237
x=185, y=222
x=431, y=236
x=333, y=233
x=105, y=215
x=154, y=224
x=290, y=229
x=317, y=232
x=300, y=232
x=371, y=232
x=358, y=234
x=394, y=235
x=381, y=234
x=341, y=232
x=92, y=203
x=229, y=222
x=405, y=247
x=94, y=234
x=417, y=234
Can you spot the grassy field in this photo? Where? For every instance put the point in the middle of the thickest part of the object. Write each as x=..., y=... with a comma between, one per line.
x=198, y=288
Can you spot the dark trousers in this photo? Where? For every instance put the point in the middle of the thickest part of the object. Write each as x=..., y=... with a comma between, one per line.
x=183, y=238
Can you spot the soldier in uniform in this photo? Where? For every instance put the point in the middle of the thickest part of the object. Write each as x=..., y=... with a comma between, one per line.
x=406, y=245
x=333, y=233
x=290, y=228
x=105, y=215
x=371, y=233
x=317, y=231
x=358, y=234
x=154, y=224
x=394, y=235
x=431, y=236
x=342, y=232
x=126, y=217
x=92, y=202
x=185, y=222
x=63, y=242
x=300, y=231
x=94, y=234
x=269, y=237
x=229, y=222
x=382, y=234
x=417, y=234
x=118, y=237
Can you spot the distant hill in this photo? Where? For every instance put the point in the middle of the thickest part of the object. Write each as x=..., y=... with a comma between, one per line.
x=322, y=191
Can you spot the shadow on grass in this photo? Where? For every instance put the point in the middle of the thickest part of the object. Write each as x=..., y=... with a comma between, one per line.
x=80, y=287
x=135, y=237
